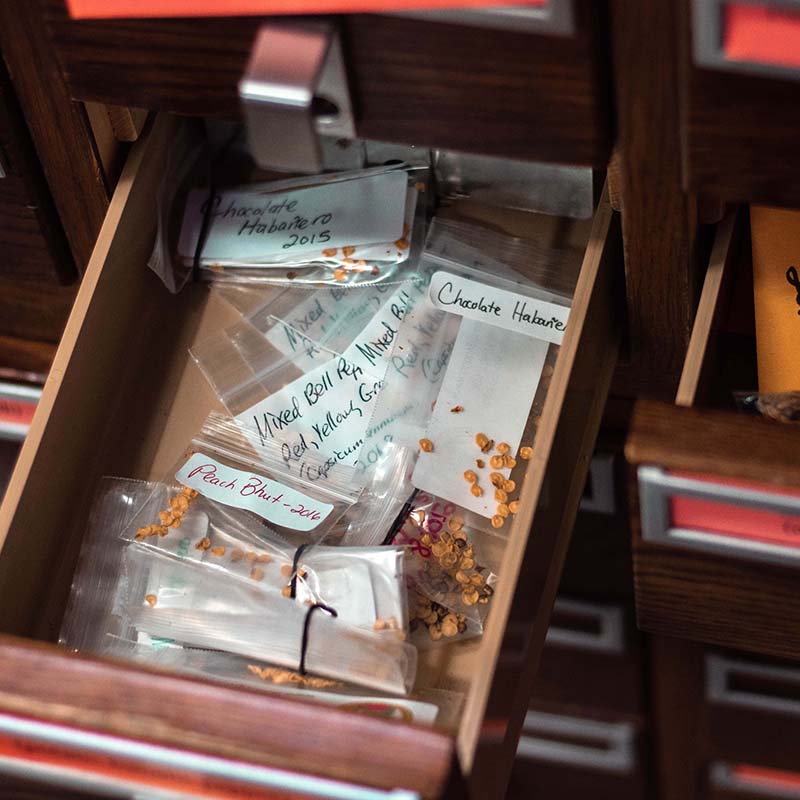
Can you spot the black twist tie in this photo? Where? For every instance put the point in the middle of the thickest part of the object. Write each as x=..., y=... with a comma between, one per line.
x=295, y=567
x=306, y=623
x=212, y=162
x=400, y=519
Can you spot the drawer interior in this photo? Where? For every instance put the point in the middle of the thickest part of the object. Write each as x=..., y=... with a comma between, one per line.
x=124, y=399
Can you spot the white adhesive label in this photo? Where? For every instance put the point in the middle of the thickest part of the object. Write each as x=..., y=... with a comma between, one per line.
x=510, y=310
x=255, y=226
x=329, y=409
x=493, y=375
x=269, y=499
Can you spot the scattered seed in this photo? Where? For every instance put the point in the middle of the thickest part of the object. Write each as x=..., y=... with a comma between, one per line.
x=513, y=506
x=481, y=439
x=503, y=510
x=476, y=490
x=480, y=463
x=457, y=409
x=286, y=570
x=503, y=448
x=257, y=574
x=488, y=446
x=203, y=544
x=500, y=496
x=525, y=452
x=497, y=521
x=508, y=486
x=497, y=462
x=264, y=558
x=496, y=479
x=218, y=551
x=150, y=599
x=237, y=555
x=426, y=445
x=470, y=476
x=455, y=524
x=509, y=462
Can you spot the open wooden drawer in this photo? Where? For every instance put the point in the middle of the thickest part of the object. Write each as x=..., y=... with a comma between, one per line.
x=123, y=398
x=694, y=579
x=534, y=94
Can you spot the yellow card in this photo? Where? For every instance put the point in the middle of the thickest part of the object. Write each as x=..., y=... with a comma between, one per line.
x=776, y=287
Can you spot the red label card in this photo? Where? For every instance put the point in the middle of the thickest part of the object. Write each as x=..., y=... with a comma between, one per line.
x=761, y=34
x=83, y=9
x=726, y=519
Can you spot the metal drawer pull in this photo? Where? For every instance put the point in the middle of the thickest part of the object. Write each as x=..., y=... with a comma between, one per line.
x=656, y=487
x=758, y=686
x=707, y=35
x=773, y=783
x=604, y=633
x=293, y=91
x=557, y=17
x=578, y=742
x=79, y=776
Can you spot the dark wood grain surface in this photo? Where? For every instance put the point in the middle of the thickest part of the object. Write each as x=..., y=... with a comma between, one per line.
x=717, y=442
x=740, y=133
x=708, y=597
x=658, y=217
x=458, y=87
x=217, y=719
x=58, y=126
x=32, y=241
x=678, y=717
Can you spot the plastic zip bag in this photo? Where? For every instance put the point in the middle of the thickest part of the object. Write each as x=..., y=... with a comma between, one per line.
x=249, y=620
x=482, y=428
x=194, y=589
x=453, y=564
x=349, y=228
x=303, y=496
x=780, y=406
x=422, y=707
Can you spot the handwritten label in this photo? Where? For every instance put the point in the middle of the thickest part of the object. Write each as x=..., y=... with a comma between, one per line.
x=329, y=408
x=505, y=309
x=794, y=282
x=328, y=318
x=269, y=499
x=249, y=226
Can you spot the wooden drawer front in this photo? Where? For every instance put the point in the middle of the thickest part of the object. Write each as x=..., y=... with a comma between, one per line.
x=500, y=92
x=737, y=592
x=32, y=243
x=738, y=130
x=590, y=660
x=575, y=757
x=123, y=398
x=753, y=711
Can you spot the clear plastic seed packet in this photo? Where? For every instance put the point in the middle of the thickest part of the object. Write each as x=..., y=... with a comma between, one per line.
x=422, y=706
x=452, y=569
x=480, y=432
x=252, y=593
x=277, y=375
x=351, y=228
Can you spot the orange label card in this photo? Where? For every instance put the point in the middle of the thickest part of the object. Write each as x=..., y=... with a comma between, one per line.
x=762, y=34
x=776, y=286
x=83, y=9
